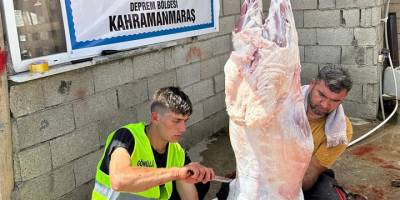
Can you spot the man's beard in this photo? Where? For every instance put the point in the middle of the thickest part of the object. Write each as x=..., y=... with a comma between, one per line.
x=315, y=110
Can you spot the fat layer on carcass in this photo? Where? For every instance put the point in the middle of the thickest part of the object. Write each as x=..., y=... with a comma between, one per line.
x=268, y=126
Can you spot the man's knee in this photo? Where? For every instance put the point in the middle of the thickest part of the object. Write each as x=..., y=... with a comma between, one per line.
x=324, y=188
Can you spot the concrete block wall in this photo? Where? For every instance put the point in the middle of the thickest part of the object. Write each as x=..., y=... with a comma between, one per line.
x=347, y=33
x=60, y=123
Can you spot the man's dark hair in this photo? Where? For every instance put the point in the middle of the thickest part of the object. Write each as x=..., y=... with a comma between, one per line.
x=336, y=78
x=172, y=99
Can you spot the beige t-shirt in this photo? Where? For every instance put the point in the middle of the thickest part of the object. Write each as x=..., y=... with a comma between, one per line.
x=327, y=156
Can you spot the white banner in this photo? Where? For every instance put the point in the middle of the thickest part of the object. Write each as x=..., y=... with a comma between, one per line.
x=94, y=23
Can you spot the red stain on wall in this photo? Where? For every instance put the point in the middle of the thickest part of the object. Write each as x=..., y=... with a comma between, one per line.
x=81, y=93
x=194, y=52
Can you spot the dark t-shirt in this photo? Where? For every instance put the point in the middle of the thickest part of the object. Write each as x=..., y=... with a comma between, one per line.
x=123, y=138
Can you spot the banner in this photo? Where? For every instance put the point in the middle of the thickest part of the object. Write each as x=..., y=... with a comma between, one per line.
x=132, y=23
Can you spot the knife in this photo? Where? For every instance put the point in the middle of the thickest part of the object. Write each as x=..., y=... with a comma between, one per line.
x=216, y=178
x=222, y=179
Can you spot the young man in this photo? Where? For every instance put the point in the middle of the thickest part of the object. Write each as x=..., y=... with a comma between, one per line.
x=324, y=96
x=142, y=161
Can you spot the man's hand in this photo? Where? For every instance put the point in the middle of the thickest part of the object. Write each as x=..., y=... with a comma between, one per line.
x=194, y=173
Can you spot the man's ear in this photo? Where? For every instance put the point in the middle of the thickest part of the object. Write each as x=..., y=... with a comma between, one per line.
x=154, y=117
x=312, y=82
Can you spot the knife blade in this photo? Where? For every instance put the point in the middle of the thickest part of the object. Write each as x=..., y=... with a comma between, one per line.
x=222, y=179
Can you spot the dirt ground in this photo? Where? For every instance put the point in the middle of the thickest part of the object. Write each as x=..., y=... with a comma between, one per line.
x=366, y=168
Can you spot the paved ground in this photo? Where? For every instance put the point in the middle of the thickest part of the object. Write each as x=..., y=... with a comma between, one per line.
x=367, y=168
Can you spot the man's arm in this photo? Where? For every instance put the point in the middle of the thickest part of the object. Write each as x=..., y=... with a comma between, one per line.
x=124, y=177
x=313, y=171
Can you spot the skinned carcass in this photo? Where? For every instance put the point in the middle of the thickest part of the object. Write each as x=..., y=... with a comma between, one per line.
x=269, y=131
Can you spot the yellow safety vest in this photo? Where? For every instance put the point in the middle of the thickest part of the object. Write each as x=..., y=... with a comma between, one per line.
x=142, y=156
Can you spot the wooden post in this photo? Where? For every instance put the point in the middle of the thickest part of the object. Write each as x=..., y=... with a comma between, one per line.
x=6, y=162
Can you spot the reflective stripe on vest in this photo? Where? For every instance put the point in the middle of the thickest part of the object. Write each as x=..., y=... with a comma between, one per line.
x=104, y=193
x=142, y=155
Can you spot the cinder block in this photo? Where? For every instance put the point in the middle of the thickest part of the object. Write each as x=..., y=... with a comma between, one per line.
x=301, y=52
x=222, y=45
x=183, y=55
x=376, y=16
x=351, y=18
x=80, y=193
x=35, y=161
x=198, y=132
x=335, y=36
x=226, y=25
x=322, y=54
x=365, y=36
x=371, y=93
x=106, y=126
x=356, y=94
x=309, y=71
x=372, y=56
x=110, y=75
x=205, y=49
x=26, y=98
x=132, y=94
x=363, y=74
x=188, y=74
x=169, y=58
x=85, y=167
x=38, y=188
x=63, y=181
x=148, y=64
x=307, y=36
x=366, y=17
x=209, y=68
x=45, y=125
x=353, y=55
x=214, y=104
x=194, y=52
x=223, y=59
x=354, y=3
x=143, y=111
x=325, y=18
x=304, y=4
x=221, y=120
x=211, y=35
x=324, y=4
x=72, y=146
x=365, y=111
x=97, y=107
x=46, y=187
x=67, y=87
x=162, y=80
x=219, y=81
x=200, y=90
x=17, y=169
x=184, y=140
x=299, y=18
x=197, y=114
x=230, y=7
